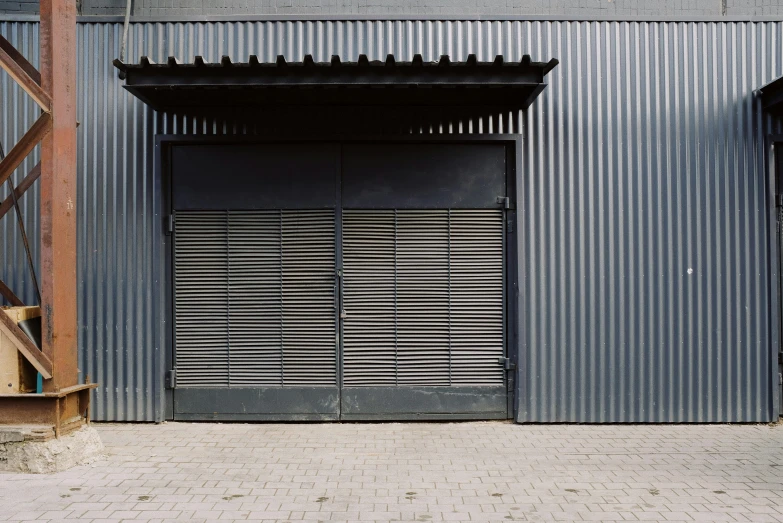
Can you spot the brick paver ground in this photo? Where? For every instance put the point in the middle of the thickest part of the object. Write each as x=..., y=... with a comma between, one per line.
x=414, y=472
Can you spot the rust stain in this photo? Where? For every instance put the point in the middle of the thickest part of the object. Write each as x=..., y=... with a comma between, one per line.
x=49, y=314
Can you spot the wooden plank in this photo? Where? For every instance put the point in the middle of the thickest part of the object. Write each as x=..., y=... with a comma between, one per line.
x=19, y=58
x=23, y=147
x=25, y=346
x=18, y=376
x=16, y=71
x=8, y=294
x=25, y=312
x=25, y=184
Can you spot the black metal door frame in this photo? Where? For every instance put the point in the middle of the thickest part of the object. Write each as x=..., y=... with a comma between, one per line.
x=774, y=161
x=512, y=314
x=338, y=267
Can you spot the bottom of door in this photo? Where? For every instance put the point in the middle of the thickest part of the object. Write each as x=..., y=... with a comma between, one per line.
x=257, y=404
x=424, y=403
x=325, y=404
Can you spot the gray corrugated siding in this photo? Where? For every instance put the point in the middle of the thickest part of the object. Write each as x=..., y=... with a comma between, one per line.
x=645, y=252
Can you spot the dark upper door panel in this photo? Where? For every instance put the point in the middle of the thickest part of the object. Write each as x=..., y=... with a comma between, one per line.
x=423, y=176
x=254, y=176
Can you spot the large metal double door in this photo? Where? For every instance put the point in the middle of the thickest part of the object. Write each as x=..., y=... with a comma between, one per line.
x=339, y=281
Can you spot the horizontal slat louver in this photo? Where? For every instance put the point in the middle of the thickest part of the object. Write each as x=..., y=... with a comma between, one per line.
x=201, y=280
x=309, y=332
x=424, y=297
x=369, y=346
x=476, y=297
x=255, y=299
x=255, y=286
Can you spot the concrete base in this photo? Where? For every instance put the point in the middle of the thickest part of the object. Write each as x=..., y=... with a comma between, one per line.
x=31, y=450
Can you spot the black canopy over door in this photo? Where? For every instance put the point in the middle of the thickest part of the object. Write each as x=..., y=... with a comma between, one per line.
x=328, y=281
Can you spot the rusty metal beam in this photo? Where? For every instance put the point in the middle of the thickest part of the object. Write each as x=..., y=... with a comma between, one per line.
x=58, y=193
x=64, y=404
x=65, y=410
x=19, y=58
x=17, y=71
x=8, y=294
x=19, y=152
x=25, y=346
x=25, y=184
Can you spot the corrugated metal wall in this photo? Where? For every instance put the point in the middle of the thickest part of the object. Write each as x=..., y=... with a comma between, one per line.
x=17, y=114
x=645, y=253
x=648, y=291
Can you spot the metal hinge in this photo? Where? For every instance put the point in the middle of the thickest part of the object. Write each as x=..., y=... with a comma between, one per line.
x=509, y=224
x=507, y=364
x=169, y=224
x=171, y=378
x=779, y=200
x=505, y=201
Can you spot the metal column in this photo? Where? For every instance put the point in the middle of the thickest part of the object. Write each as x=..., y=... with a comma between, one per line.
x=64, y=403
x=58, y=193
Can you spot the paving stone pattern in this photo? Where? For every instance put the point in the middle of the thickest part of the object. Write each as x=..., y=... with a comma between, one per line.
x=422, y=472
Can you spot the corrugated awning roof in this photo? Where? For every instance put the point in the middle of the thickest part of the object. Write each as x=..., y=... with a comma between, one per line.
x=772, y=96
x=173, y=85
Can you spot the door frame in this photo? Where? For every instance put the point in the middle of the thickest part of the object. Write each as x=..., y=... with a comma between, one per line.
x=773, y=158
x=513, y=239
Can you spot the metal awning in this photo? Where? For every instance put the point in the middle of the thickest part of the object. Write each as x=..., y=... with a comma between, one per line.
x=772, y=96
x=174, y=85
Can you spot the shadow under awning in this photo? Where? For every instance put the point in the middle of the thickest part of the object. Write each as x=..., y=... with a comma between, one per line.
x=772, y=96
x=173, y=85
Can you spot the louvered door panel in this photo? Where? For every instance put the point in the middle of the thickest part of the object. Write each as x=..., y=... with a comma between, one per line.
x=422, y=298
x=255, y=298
x=309, y=315
x=201, y=299
x=476, y=296
x=423, y=293
x=369, y=344
x=255, y=303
